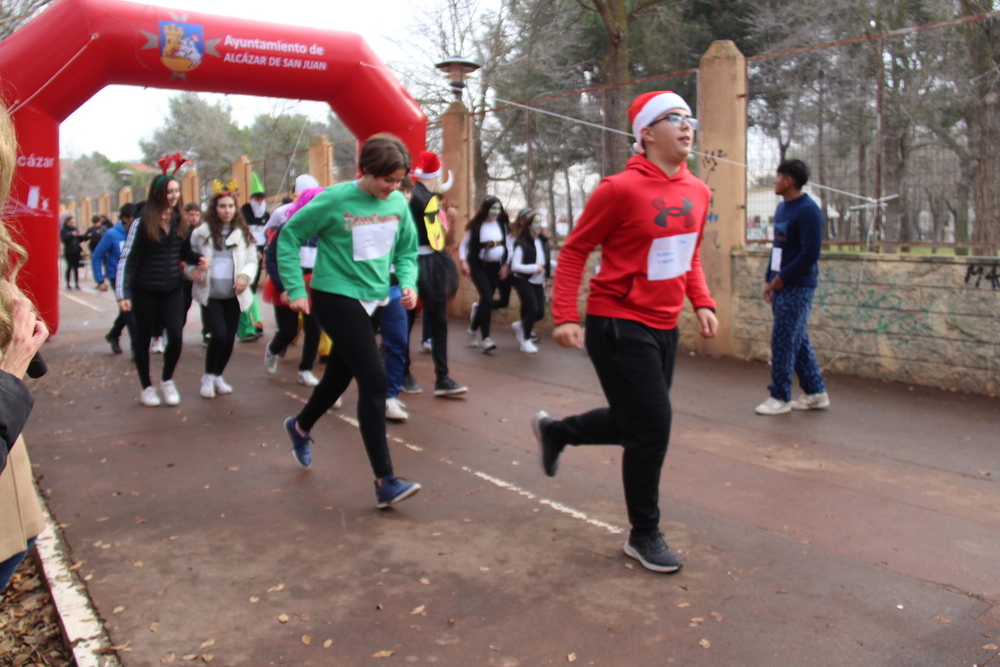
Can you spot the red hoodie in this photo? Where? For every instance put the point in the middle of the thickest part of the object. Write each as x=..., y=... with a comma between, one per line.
x=649, y=226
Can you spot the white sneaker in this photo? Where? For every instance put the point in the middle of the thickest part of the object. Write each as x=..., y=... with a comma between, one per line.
x=270, y=361
x=207, y=386
x=488, y=345
x=518, y=332
x=394, y=410
x=529, y=347
x=157, y=345
x=308, y=379
x=221, y=386
x=170, y=395
x=818, y=401
x=149, y=397
x=473, y=338
x=426, y=346
x=773, y=406
x=339, y=403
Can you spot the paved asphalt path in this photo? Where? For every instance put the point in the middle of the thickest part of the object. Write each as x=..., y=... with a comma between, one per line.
x=865, y=535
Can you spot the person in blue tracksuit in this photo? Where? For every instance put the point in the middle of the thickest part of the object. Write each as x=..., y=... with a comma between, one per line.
x=104, y=261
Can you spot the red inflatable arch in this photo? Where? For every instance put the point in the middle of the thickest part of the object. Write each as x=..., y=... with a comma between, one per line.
x=74, y=48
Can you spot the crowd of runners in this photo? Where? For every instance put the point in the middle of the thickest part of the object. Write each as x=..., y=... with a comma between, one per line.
x=348, y=265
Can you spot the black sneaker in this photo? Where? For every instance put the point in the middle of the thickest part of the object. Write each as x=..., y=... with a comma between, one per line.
x=410, y=385
x=115, y=347
x=653, y=552
x=549, y=450
x=448, y=387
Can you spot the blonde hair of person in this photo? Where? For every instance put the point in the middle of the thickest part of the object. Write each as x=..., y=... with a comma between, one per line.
x=11, y=254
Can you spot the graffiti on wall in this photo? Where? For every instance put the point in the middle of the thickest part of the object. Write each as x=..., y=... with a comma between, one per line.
x=867, y=306
x=983, y=274
x=709, y=162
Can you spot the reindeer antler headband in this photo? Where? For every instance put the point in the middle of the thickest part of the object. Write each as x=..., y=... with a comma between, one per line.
x=166, y=162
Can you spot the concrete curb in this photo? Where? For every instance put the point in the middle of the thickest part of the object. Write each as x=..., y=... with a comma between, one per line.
x=83, y=630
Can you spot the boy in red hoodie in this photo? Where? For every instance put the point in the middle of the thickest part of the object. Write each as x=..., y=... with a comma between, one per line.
x=649, y=221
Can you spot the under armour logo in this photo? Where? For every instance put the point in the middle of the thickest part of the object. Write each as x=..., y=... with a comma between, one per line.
x=673, y=212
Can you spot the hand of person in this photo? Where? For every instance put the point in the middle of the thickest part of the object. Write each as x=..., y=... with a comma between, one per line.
x=504, y=271
x=708, y=322
x=777, y=283
x=284, y=299
x=539, y=268
x=409, y=298
x=103, y=286
x=241, y=284
x=767, y=292
x=125, y=305
x=29, y=332
x=300, y=305
x=465, y=270
x=569, y=335
x=203, y=263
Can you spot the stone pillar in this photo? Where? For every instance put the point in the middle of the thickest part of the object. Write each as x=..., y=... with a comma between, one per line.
x=321, y=161
x=456, y=157
x=86, y=211
x=104, y=205
x=242, y=169
x=124, y=196
x=191, y=188
x=722, y=114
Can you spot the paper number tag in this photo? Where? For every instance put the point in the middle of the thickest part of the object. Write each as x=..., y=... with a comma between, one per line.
x=670, y=256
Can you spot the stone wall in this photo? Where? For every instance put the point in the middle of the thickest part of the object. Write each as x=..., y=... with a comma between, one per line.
x=922, y=319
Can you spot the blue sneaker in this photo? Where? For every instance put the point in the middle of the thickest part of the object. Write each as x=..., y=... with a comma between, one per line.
x=300, y=444
x=393, y=490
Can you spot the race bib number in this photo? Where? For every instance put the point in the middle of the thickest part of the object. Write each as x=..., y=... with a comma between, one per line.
x=373, y=241
x=670, y=256
x=307, y=257
x=222, y=268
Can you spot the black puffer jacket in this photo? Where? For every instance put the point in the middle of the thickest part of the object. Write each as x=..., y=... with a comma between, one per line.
x=153, y=266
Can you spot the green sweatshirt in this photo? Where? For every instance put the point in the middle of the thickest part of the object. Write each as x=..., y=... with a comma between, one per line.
x=360, y=237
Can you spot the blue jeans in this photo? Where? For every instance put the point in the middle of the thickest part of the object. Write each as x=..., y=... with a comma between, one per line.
x=9, y=566
x=790, y=347
x=395, y=339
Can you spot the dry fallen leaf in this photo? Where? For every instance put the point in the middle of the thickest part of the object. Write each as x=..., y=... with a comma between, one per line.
x=189, y=657
x=684, y=605
x=704, y=643
x=571, y=657
x=167, y=659
x=328, y=643
x=208, y=657
x=941, y=619
x=384, y=654
x=76, y=566
x=306, y=639
x=275, y=589
x=991, y=647
x=138, y=563
x=208, y=642
x=154, y=627
x=233, y=468
x=716, y=615
x=283, y=618
x=254, y=599
x=117, y=610
x=419, y=610
x=425, y=581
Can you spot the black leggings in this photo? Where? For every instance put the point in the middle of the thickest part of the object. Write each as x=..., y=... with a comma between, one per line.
x=354, y=354
x=486, y=277
x=532, y=298
x=152, y=310
x=220, y=317
x=73, y=268
x=288, y=326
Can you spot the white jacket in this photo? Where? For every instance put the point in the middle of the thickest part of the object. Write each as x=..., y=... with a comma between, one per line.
x=244, y=263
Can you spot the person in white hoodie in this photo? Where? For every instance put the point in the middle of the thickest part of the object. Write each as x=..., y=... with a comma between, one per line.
x=228, y=245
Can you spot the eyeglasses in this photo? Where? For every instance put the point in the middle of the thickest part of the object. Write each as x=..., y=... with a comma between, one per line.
x=677, y=120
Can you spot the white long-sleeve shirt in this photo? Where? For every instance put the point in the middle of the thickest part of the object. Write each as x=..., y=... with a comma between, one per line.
x=489, y=231
x=517, y=263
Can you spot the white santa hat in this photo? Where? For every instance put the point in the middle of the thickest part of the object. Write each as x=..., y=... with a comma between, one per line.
x=648, y=107
x=304, y=182
x=427, y=165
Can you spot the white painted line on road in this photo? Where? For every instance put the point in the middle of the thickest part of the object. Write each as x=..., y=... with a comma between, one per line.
x=83, y=303
x=559, y=507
